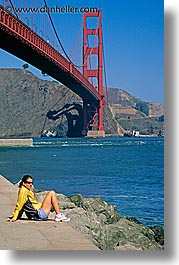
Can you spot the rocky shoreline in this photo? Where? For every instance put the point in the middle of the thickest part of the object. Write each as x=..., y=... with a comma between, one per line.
x=107, y=229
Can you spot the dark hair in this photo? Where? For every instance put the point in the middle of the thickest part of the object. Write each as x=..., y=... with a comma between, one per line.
x=24, y=179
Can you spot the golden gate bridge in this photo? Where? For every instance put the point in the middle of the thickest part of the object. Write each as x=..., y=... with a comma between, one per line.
x=27, y=31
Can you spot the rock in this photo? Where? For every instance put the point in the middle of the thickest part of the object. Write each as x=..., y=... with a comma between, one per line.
x=76, y=199
x=64, y=202
x=100, y=222
x=137, y=235
x=40, y=195
x=101, y=208
x=159, y=234
x=108, y=230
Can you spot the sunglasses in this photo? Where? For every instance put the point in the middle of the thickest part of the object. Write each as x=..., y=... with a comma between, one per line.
x=29, y=182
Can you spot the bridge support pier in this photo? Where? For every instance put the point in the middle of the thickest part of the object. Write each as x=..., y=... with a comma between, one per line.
x=85, y=119
x=92, y=126
x=96, y=134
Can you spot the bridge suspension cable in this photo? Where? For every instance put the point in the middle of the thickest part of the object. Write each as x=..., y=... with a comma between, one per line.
x=56, y=34
x=63, y=49
x=105, y=76
x=77, y=39
x=13, y=8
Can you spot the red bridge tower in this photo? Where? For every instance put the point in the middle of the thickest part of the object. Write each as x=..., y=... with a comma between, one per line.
x=93, y=113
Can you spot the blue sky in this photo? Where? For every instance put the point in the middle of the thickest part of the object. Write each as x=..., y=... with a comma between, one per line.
x=133, y=38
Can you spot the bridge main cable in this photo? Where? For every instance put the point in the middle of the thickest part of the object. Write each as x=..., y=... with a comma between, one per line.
x=56, y=34
x=13, y=8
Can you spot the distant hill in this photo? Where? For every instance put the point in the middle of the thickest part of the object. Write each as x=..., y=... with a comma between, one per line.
x=30, y=106
x=133, y=113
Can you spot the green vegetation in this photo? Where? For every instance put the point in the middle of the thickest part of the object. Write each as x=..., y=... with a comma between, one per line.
x=143, y=107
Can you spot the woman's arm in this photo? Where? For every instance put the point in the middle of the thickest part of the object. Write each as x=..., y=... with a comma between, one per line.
x=22, y=198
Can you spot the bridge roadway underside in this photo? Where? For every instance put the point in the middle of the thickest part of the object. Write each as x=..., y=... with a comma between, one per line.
x=31, y=55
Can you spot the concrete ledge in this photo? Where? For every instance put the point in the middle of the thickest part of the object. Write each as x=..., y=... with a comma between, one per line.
x=16, y=142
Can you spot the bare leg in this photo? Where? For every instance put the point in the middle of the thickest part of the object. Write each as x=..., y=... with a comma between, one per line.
x=50, y=200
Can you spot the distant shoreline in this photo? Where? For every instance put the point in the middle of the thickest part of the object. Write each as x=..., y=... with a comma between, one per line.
x=16, y=142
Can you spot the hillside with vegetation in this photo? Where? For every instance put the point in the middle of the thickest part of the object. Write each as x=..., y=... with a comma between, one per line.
x=31, y=107
x=135, y=114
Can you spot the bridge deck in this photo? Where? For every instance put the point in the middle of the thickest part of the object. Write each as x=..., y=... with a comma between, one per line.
x=21, y=41
x=34, y=235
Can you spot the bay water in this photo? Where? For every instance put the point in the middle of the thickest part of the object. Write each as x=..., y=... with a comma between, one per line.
x=125, y=172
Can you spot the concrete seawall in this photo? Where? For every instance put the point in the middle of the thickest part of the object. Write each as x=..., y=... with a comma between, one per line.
x=16, y=142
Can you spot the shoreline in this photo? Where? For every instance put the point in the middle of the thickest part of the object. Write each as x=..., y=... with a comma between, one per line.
x=29, y=142
x=106, y=228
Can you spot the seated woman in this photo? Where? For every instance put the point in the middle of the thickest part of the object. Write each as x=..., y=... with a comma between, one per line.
x=33, y=209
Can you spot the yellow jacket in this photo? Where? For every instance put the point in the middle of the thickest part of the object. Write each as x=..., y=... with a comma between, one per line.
x=23, y=196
